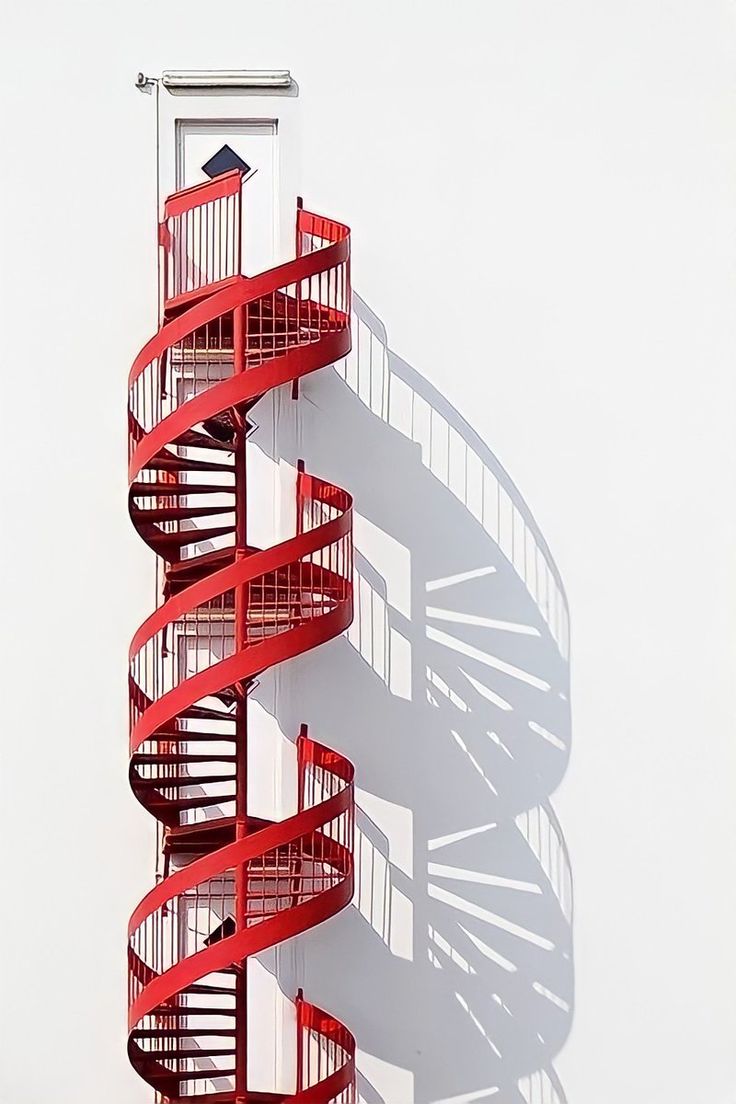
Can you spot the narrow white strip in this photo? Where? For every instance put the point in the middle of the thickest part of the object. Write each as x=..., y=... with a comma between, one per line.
x=489, y=952
x=461, y=875
x=461, y=743
x=482, y=622
x=464, y=576
x=443, y=841
x=490, y=917
x=464, y=1004
x=483, y=657
x=551, y=996
x=547, y=735
x=494, y=699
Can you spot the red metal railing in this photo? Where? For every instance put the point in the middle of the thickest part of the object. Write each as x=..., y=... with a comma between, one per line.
x=200, y=234
x=232, y=885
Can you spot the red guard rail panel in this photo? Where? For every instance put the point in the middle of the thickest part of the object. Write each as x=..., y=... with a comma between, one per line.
x=232, y=884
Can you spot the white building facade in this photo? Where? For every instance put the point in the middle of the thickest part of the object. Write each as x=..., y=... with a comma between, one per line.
x=535, y=425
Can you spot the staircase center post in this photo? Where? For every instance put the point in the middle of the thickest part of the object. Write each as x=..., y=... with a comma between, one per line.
x=241, y=718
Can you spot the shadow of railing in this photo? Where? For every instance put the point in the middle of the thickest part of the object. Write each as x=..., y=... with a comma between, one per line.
x=451, y=695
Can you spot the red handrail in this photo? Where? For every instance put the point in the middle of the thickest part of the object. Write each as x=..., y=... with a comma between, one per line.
x=226, y=184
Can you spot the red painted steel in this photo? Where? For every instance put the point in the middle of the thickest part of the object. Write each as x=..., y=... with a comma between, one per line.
x=232, y=885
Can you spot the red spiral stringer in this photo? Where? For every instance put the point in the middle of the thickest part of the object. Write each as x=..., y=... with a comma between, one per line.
x=233, y=885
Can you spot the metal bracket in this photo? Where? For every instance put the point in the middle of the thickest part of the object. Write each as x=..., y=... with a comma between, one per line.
x=145, y=84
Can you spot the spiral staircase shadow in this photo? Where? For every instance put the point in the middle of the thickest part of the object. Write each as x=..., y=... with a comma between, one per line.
x=456, y=966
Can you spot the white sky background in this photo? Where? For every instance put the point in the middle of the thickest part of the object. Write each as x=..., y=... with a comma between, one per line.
x=569, y=169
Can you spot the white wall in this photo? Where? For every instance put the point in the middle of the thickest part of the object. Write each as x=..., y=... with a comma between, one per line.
x=560, y=178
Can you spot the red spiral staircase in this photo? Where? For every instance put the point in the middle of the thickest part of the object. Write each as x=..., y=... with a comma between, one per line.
x=232, y=885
